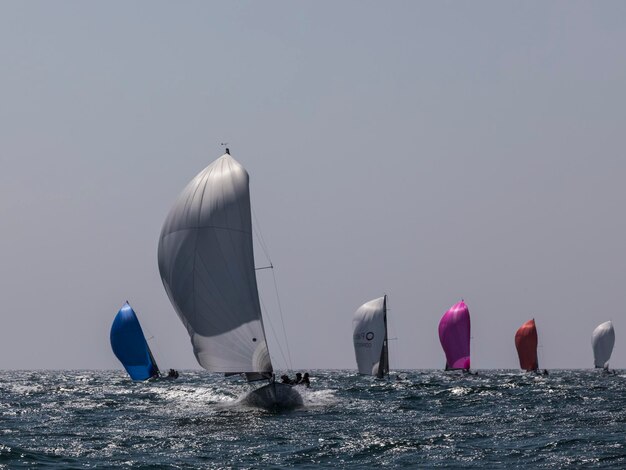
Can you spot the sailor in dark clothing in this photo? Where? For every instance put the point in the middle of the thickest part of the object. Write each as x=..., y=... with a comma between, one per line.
x=298, y=378
x=305, y=380
x=284, y=379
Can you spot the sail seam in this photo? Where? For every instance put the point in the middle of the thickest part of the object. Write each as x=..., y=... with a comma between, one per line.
x=206, y=226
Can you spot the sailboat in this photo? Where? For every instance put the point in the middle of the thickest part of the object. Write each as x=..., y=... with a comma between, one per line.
x=602, y=341
x=206, y=262
x=370, y=338
x=526, y=345
x=454, y=335
x=130, y=346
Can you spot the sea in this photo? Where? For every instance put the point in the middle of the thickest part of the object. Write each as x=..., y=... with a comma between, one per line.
x=414, y=419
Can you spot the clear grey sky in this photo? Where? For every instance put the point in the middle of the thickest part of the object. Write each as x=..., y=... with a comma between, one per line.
x=432, y=151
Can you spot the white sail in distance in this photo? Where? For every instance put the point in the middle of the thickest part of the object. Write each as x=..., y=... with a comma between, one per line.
x=602, y=341
x=206, y=262
x=369, y=326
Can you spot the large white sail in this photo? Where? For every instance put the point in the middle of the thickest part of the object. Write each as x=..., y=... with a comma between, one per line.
x=207, y=267
x=602, y=341
x=370, y=337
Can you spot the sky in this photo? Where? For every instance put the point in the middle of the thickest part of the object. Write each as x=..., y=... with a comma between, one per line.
x=430, y=151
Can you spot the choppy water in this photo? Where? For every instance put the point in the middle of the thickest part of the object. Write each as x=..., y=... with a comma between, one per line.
x=82, y=419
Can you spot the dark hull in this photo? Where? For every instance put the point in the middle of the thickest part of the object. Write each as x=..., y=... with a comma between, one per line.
x=159, y=378
x=274, y=396
x=462, y=371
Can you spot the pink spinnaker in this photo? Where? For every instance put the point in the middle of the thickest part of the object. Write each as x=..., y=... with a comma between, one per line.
x=454, y=334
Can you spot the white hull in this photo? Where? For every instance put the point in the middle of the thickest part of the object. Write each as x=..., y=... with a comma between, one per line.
x=274, y=396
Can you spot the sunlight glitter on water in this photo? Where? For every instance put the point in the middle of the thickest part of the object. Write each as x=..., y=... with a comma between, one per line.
x=431, y=418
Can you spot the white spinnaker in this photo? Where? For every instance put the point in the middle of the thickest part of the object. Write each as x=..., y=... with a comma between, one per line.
x=206, y=263
x=368, y=326
x=602, y=341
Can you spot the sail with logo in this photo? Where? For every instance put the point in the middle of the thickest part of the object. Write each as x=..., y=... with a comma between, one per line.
x=602, y=341
x=454, y=335
x=130, y=346
x=370, y=338
x=526, y=345
x=206, y=262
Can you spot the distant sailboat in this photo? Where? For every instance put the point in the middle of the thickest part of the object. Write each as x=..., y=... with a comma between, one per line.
x=206, y=263
x=526, y=344
x=602, y=341
x=370, y=338
x=454, y=335
x=130, y=347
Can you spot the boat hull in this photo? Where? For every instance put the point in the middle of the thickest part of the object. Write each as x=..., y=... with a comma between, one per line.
x=274, y=396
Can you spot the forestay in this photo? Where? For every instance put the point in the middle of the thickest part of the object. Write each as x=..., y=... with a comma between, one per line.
x=370, y=335
x=206, y=263
x=602, y=341
x=130, y=347
x=454, y=335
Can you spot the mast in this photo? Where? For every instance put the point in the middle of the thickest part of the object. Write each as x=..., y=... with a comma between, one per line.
x=154, y=364
x=383, y=368
x=536, y=353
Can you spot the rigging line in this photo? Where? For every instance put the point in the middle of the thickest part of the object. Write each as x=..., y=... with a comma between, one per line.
x=259, y=235
x=391, y=328
x=388, y=328
x=264, y=267
x=151, y=342
x=280, y=308
x=269, y=319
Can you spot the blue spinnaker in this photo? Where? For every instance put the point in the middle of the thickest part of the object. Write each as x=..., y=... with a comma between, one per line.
x=130, y=346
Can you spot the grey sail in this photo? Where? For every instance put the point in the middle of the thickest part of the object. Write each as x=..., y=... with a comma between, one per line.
x=370, y=337
x=206, y=263
x=602, y=342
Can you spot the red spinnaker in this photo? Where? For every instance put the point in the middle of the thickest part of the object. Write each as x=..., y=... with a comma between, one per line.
x=526, y=344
